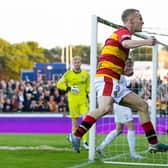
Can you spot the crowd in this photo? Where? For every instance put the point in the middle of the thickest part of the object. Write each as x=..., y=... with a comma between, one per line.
x=27, y=96
x=144, y=89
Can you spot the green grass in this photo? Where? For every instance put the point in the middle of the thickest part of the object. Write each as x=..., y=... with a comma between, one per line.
x=63, y=157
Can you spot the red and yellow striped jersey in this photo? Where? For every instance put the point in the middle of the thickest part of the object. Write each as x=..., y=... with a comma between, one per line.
x=113, y=56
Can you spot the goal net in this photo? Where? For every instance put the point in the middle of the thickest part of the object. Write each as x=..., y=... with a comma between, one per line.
x=150, y=82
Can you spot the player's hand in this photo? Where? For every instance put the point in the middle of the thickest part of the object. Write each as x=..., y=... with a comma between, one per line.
x=151, y=40
x=75, y=89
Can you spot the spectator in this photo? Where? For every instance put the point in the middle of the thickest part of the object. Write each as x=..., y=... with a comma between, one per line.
x=20, y=107
x=27, y=102
x=62, y=105
x=14, y=102
x=7, y=107
x=52, y=104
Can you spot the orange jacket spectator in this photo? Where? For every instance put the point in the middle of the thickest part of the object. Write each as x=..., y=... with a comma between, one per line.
x=52, y=104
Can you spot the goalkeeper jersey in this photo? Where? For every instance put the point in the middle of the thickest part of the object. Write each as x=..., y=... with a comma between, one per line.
x=77, y=79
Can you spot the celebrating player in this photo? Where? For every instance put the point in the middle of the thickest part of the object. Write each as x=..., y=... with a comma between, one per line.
x=110, y=67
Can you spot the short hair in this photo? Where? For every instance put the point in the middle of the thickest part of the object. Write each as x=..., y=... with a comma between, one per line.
x=127, y=13
x=77, y=58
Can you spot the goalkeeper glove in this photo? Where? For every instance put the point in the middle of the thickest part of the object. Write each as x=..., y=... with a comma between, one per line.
x=73, y=89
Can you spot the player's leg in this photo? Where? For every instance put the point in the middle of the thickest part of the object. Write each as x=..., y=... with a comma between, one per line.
x=132, y=141
x=112, y=135
x=74, y=122
x=105, y=106
x=124, y=115
x=74, y=116
x=135, y=102
x=105, y=101
x=109, y=138
x=85, y=141
x=120, y=113
x=119, y=120
x=83, y=110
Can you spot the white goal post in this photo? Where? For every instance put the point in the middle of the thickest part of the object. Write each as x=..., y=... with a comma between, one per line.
x=93, y=60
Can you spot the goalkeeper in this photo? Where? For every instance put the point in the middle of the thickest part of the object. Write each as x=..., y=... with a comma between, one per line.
x=76, y=82
x=123, y=115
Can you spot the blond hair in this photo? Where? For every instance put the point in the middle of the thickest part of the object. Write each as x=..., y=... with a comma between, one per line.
x=77, y=58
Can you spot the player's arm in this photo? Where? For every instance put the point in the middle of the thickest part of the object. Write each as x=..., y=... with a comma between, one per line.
x=128, y=43
x=61, y=84
x=88, y=84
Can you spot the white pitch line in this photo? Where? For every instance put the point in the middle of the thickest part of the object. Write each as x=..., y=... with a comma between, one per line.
x=82, y=164
x=111, y=158
x=41, y=147
x=121, y=155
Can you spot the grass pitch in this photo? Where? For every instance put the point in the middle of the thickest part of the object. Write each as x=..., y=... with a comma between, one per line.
x=45, y=151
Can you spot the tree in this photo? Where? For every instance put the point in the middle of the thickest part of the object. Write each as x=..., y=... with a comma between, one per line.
x=15, y=57
x=54, y=54
x=23, y=55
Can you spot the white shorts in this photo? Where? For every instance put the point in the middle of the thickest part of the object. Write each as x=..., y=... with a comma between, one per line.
x=120, y=93
x=122, y=114
x=105, y=86
x=109, y=87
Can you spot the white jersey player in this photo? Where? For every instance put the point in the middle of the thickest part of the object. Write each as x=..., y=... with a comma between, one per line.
x=123, y=116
